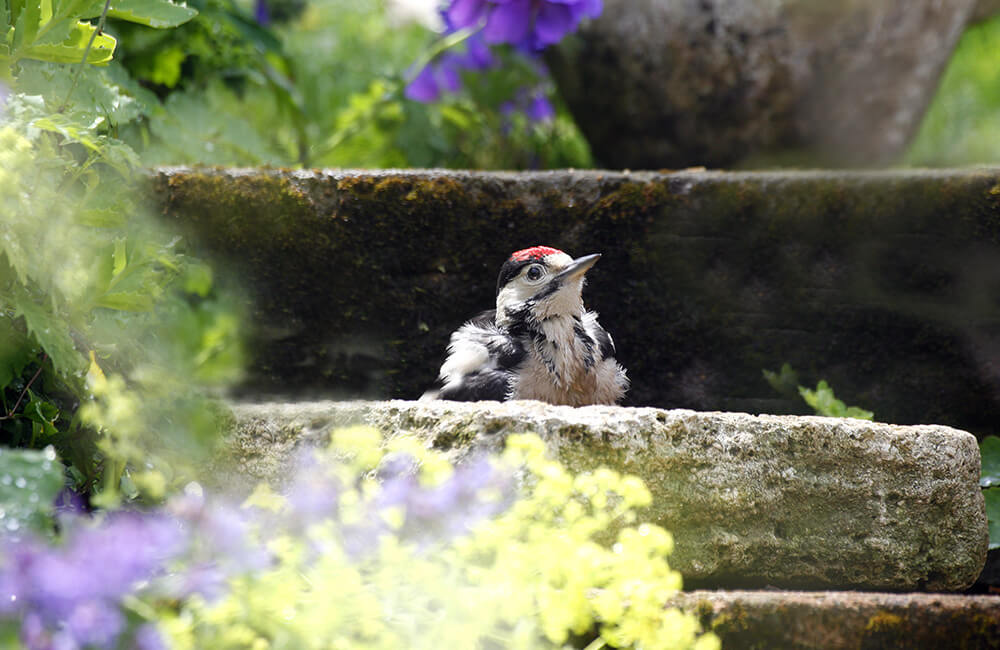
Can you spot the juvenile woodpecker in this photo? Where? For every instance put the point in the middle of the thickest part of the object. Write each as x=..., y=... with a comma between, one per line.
x=539, y=343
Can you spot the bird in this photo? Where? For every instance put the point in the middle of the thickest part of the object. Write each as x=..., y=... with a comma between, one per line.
x=539, y=343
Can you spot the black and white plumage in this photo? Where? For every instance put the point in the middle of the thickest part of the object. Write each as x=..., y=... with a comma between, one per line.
x=539, y=343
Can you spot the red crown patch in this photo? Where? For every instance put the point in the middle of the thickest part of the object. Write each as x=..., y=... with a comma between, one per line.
x=534, y=253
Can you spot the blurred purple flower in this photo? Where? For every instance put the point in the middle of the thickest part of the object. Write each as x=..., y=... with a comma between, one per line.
x=540, y=109
x=442, y=75
x=531, y=24
x=148, y=637
x=262, y=13
x=440, y=512
x=68, y=596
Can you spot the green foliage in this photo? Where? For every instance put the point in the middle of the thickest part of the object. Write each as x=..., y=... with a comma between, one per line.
x=822, y=400
x=533, y=577
x=88, y=281
x=55, y=30
x=992, y=497
x=962, y=126
x=989, y=451
x=29, y=483
x=325, y=90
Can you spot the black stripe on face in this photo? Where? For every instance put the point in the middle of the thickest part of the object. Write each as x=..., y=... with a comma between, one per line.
x=510, y=269
x=547, y=290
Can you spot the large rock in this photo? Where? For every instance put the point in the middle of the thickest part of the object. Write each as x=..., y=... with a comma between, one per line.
x=767, y=500
x=658, y=83
x=846, y=620
x=884, y=284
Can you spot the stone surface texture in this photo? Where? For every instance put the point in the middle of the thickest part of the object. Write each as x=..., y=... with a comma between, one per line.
x=751, y=500
x=658, y=83
x=848, y=620
x=884, y=284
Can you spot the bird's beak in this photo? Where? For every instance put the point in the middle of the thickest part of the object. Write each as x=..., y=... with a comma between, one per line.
x=578, y=267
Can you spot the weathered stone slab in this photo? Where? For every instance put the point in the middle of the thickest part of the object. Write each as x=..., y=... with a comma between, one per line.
x=848, y=620
x=766, y=500
x=884, y=284
x=713, y=82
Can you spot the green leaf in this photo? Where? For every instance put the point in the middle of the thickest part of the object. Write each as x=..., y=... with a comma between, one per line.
x=69, y=128
x=71, y=50
x=126, y=301
x=152, y=13
x=16, y=351
x=29, y=482
x=824, y=402
x=992, y=496
x=120, y=257
x=50, y=332
x=43, y=415
x=989, y=449
x=785, y=381
x=27, y=24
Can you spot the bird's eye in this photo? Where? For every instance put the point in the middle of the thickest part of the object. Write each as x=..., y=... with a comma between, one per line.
x=534, y=272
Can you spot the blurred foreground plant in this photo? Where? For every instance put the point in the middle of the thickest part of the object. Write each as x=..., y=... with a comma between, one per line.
x=111, y=335
x=369, y=547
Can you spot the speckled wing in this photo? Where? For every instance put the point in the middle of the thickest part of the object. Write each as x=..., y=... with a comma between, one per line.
x=481, y=358
x=606, y=353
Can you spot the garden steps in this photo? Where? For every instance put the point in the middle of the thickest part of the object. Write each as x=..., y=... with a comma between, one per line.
x=752, y=501
x=882, y=283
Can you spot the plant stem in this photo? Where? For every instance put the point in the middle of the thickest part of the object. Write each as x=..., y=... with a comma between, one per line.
x=86, y=53
x=24, y=392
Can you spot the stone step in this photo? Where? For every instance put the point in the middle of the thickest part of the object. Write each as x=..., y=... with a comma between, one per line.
x=846, y=619
x=785, y=501
x=882, y=283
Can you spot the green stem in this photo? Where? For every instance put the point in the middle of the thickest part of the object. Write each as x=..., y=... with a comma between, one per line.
x=86, y=53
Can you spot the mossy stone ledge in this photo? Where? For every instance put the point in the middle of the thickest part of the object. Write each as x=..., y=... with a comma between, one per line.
x=837, y=619
x=783, y=501
x=882, y=283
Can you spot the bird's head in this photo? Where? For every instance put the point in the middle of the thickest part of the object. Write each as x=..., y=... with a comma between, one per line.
x=542, y=281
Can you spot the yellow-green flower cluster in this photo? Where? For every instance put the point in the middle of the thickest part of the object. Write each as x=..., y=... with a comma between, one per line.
x=538, y=575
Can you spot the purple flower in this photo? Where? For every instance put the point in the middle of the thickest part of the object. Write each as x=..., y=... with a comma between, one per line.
x=533, y=24
x=443, y=74
x=540, y=109
x=68, y=596
x=262, y=13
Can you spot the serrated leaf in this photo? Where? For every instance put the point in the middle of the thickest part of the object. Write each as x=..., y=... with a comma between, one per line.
x=992, y=496
x=120, y=257
x=989, y=449
x=152, y=13
x=57, y=32
x=824, y=402
x=29, y=482
x=27, y=24
x=71, y=50
x=16, y=351
x=126, y=301
x=50, y=333
x=69, y=128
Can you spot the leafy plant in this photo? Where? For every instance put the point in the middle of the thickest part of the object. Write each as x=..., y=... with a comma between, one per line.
x=822, y=400
x=989, y=450
x=329, y=89
x=29, y=483
x=88, y=283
